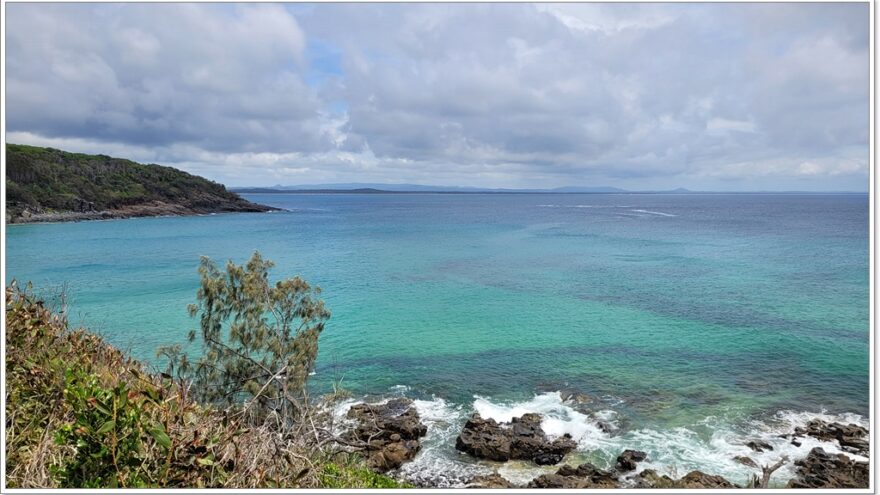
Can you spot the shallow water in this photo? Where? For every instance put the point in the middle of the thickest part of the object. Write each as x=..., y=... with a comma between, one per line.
x=682, y=315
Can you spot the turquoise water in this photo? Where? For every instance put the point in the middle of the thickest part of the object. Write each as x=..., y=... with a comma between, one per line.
x=669, y=310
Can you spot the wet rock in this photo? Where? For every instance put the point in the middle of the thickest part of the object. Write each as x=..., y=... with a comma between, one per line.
x=493, y=480
x=795, y=442
x=759, y=445
x=851, y=437
x=522, y=438
x=583, y=476
x=699, y=479
x=629, y=458
x=397, y=416
x=390, y=432
x=650, y=479
x=823, y=470
x=605, y=426
x=695, y=479
x=745, y=461
x=485, y=439
x=575, y=397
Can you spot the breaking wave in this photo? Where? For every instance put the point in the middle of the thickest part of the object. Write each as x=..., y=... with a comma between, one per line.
x=709, y=445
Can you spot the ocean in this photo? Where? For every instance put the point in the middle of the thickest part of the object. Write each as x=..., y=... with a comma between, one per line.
x=693, y=322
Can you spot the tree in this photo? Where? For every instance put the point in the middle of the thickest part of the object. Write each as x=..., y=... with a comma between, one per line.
x=259, y=340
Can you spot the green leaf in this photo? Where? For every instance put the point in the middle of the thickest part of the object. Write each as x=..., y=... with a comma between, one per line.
x=152, y=393
x=109, y=425
x=158, y=433
x=204, y=461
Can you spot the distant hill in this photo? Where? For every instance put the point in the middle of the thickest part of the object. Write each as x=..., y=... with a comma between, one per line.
x=361, y=187
x=46, y=184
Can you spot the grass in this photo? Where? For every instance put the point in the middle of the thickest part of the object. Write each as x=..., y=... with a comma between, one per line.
x=82, y=414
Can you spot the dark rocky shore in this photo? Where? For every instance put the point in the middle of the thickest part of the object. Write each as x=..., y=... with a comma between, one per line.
x=390, y=433
x=152, y=209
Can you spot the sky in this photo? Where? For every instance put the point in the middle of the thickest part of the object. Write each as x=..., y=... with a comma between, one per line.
x=726, y=97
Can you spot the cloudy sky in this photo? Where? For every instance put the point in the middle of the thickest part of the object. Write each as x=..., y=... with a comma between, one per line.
x=704, y=96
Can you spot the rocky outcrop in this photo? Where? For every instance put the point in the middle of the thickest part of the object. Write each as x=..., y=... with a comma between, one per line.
x=650, y=479
x=152, y=209
x=695, y=479
x=522, y=438
x=699, y=479
x=759, y=445
x=493, y=480
x=583, y=476
x=852, y=438
x=627, y=460
x=823, y=470
x=390, y=432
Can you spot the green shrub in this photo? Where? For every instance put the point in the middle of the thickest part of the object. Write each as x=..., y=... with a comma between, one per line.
x=106, y=433
x=341, y=476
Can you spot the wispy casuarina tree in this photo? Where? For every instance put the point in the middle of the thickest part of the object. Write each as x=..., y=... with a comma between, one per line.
x=259, y=339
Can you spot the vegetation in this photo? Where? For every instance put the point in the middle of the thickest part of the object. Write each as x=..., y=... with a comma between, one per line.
x=40, y=180
x=260, y=340
x=80, y=413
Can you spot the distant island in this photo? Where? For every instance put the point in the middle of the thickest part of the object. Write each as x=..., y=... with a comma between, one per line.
x=50, y=185
x=394, y=188
x=389, y=188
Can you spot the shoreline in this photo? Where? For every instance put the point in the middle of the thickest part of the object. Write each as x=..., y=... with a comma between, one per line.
x=155, y=209
x=671, y=452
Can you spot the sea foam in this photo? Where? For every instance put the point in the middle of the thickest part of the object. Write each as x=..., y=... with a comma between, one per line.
x=673, y=452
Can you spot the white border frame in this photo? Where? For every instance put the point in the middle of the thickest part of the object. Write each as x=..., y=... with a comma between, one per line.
x=872, y=292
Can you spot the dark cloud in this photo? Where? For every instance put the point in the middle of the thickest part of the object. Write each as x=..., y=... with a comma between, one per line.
x=637, y=95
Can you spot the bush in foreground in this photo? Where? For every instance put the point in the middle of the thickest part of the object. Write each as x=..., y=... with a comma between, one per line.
x=80, y=413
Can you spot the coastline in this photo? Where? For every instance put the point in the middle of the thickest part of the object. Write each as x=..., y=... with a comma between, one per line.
x=153, y=209
x=714, y=447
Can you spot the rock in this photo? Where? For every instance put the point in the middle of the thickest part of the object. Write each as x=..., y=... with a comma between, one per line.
x=605, y=426
x=392, y=455
x=584, y=476
x=699, y=479
x=493, y=480
x=695, y=479
x=851, y=437
x=391, y=432
x=795, y=442
x=650, y=479
x=822, y=470
x=522, y=438
x=628, y=459
x=759, y=445
x=575, y=397
x=485, y=439
x=395, y=416
x=745, y=461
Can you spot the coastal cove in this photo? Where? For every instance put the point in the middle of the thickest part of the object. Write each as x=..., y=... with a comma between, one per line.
x=692, y=323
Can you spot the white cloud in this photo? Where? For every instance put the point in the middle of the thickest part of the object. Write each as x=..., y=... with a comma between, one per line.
x=724, y=125
x=634, y=95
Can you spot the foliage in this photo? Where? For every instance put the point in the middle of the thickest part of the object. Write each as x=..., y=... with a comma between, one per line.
x=80, y=413
x=344, y=475
x=46, y=179
x=259, y=340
